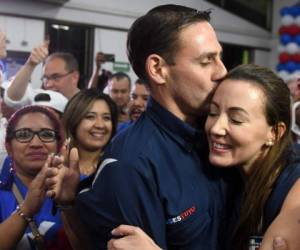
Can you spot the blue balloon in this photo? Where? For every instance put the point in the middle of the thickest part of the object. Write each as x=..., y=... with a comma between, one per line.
x=280, y=66
x=297, y=39
x=297, y=66
x=295, y=11
x=291, y=66
x=285, y=11
x=285, y=39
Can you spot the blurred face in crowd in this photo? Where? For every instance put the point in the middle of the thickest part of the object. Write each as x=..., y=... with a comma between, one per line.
x=95, y=129
x=236, y=126
x=139, y=98
x=57, y=78
x=119, y=91
x=30, y=155
x=294, y=87
x=2, y=45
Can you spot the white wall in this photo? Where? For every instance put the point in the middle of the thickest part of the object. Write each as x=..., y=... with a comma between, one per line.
x=23, y=34
x=112, y=42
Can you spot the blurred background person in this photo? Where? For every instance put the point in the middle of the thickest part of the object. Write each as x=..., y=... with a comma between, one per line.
x=99, y=81
x=2, y=45
x=294, y=87
x=137, y=105
x=60, y=74
x=3, y=120
x=119, y=87
x=90, y=121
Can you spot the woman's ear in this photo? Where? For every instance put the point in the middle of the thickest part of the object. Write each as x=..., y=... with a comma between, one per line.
x=156, y=68
x=277, y=131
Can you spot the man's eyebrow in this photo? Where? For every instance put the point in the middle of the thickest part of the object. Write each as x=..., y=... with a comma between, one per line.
x=208, y=54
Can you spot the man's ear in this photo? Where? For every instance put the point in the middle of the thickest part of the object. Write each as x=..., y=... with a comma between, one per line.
x=156, y=68
x=76, y=76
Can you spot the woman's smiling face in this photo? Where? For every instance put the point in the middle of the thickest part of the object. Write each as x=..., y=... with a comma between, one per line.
x=236, y=127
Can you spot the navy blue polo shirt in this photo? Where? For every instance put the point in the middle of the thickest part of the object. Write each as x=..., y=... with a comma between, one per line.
x=284, y=183
x=152, y=176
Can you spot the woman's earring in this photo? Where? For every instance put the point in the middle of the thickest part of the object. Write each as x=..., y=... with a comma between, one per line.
x=269, y=143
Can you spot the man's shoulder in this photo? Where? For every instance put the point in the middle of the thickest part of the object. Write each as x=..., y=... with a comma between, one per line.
x=140, y=140
x=135, y=137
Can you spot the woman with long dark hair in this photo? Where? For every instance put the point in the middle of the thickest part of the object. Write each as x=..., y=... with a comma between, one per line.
x=248, y=127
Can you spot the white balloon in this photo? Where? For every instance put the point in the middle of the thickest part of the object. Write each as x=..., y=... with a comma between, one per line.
x=292, y=48
x=281, y=48
x=284, y=75
x=287, y=20
x=297, y=20
x=294, y=76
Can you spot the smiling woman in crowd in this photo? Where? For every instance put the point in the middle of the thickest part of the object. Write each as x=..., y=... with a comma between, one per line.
x=90, y=121
x=26, y=221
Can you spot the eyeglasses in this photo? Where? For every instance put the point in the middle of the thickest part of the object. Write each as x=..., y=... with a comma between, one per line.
x=55, y=77
x=26, y=134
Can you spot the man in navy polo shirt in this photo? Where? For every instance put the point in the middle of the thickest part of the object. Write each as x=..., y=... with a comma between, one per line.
x=154, y=174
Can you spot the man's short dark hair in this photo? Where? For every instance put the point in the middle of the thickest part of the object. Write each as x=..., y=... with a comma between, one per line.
x=70, y=61
x=121, y=75
x=157, y=32
x=140, y=82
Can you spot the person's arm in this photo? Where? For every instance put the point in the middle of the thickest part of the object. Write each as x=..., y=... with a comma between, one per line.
x=12, y=229
x=283, y=234
x=286, y=226
x=99, y=60
x=19, y=84
x=62, y=182
x=114, y=199
x=2, y=44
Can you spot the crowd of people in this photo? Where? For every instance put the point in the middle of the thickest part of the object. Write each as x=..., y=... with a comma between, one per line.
x=145, y=166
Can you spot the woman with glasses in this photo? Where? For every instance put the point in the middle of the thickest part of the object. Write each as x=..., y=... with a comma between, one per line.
x=33, y=133
x=90, y=121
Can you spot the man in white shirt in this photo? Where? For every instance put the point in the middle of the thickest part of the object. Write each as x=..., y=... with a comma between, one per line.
x=60, y=73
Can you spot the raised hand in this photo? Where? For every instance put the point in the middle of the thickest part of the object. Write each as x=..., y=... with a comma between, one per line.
x=100, y=59
x=36, y=194
x=38, y=54
x=63, y=177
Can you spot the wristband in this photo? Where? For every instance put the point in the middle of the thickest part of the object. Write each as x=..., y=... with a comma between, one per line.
x=22, y=215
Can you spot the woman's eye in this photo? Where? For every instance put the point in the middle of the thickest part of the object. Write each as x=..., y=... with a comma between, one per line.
x=89, y=117
x=212, y=113
x=107, y=118
x=237, y=122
